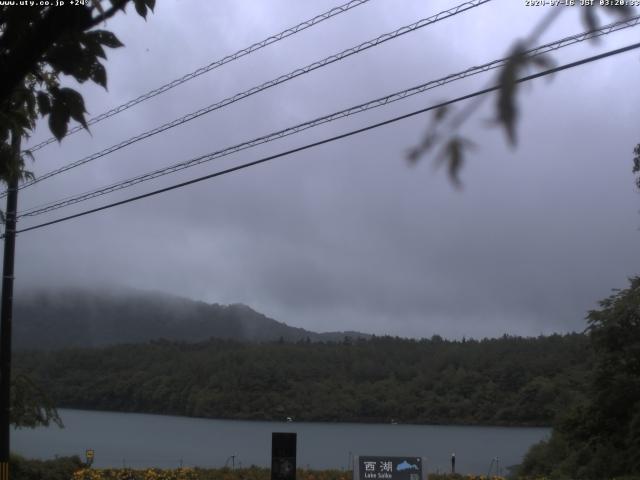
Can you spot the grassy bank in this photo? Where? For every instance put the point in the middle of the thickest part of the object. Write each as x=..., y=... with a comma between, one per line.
x=72, y=468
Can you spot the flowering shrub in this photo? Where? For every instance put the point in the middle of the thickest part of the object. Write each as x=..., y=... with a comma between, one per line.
x=253, y=473
x=129, y=474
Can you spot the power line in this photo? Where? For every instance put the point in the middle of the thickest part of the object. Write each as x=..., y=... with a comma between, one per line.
x=334, y=138
x=281, y=79
x=213, y=65
x=552, y=46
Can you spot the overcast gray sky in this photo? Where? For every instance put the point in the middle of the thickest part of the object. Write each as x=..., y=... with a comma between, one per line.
x=347, y=235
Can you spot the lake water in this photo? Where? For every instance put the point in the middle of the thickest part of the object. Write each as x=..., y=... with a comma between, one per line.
x=137, y=440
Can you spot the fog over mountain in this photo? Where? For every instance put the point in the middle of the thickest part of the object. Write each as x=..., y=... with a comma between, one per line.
x=75, y=317
x=347, y=235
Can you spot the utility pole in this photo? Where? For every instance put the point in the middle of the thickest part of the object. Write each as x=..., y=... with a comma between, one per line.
x=6, y=311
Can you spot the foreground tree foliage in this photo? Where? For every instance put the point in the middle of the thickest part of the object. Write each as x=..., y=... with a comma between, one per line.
x=60, y=468
x=600, y=437
x=30, y=405
x=41, y=46
x=444, y=139
x=505, y=381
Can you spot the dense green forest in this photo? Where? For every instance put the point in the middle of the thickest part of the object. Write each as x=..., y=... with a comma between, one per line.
x=599, y=436
x=505, y=381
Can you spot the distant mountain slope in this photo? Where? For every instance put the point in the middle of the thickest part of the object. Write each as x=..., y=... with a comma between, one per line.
x=85, y=318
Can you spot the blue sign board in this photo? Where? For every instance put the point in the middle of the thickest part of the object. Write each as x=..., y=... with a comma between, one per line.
x=389, y=468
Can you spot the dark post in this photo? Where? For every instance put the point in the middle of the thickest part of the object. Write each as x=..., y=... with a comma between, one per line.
x=283, y=456
x=453, y=463
x=6, y=313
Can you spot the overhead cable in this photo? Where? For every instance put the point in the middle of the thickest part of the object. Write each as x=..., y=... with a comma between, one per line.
x=543, y=49
x=207, y=68
x=332, y=139
x=252, y=91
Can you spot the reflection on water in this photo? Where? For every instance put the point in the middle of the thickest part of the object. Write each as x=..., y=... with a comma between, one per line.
x=137, y=440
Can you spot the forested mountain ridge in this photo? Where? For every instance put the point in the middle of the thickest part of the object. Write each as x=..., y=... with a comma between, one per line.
x=505, y=381
x=90, y=318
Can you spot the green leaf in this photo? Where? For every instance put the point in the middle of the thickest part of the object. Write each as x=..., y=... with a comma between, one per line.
x=506, y=106
x=106, y=38
x=58, y=120
x=75, y=105
x=141, y=8
x=92, y=44
x=44, y=103
x=71, y=59
x=99, y=75
x=62, y=57
x=453, y=155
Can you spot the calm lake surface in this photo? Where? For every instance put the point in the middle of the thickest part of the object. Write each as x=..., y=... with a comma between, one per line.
x=137, y=440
